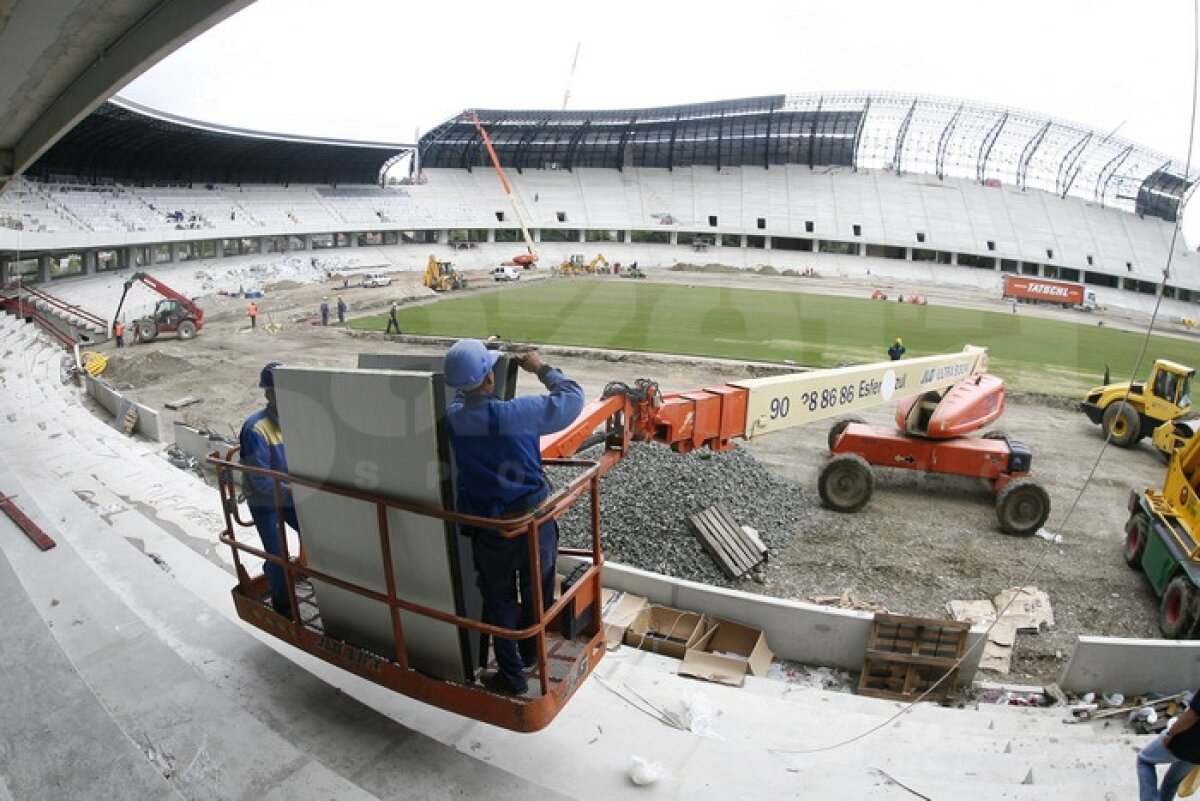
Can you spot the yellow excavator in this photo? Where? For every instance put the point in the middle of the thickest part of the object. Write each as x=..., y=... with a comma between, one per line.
x=577, y=264
x=441, y=276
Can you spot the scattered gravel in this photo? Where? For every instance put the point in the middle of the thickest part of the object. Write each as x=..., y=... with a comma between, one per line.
x=647, y=498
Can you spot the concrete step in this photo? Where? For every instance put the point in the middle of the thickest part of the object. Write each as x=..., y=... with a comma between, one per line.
x=224, y=715
x=813, y=724
x=166, y=657
x=61, y=742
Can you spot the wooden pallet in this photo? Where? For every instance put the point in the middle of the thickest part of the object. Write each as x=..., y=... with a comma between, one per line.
x=907, y=656
x=732, y=547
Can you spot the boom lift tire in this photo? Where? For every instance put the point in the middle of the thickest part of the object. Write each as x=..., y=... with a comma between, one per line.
x=1123, y=424
x=1022, y=507
x=147, y=331
x=837, y=428
x=1177, y=611
x=846, y=483
x=187, y=329
x=1135, y=541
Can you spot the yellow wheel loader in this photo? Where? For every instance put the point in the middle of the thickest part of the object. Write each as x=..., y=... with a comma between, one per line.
x=1128, y=411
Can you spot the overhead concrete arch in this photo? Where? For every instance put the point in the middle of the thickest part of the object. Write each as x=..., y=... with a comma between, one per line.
x=63, y=58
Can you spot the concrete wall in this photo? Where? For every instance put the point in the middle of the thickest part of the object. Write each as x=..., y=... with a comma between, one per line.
x=1132, y=667
x=199, y=444
x=148, y=422
x=803, y=632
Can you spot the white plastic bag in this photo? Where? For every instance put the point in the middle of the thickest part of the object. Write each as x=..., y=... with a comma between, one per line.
x=643, y=771
x=699, y=715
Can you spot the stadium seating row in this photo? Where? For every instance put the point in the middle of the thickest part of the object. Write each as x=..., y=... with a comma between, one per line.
x=792, y=204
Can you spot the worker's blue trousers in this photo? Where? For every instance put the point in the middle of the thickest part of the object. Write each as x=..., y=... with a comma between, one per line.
x=267, y=522
x=501, y=569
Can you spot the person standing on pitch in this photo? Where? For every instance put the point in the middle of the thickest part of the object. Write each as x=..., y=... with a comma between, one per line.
x=499, y=474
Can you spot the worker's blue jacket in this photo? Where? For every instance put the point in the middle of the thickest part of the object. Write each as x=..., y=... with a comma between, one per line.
x=262, y=446
x=496, y=445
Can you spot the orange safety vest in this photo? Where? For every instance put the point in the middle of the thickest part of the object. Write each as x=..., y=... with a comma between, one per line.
x=253, y=309
x=119, y=329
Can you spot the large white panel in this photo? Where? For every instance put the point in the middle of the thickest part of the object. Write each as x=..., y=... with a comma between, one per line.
x=374, y=431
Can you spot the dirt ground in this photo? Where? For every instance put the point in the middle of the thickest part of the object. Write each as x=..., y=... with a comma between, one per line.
x=921, y=541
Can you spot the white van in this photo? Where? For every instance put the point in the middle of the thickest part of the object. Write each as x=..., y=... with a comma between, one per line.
x=506, y=274
x=376, y=279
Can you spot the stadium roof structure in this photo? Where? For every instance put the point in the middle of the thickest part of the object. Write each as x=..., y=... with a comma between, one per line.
x=61, y=58
x=904, y=133
x=129, y=143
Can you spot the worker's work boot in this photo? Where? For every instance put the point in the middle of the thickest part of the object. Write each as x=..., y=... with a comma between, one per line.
x=283, y=607
x=502, y=685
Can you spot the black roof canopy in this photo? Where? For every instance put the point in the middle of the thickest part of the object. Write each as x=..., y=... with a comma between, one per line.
x=878, y=131
x=123, y=142
x=759, y=131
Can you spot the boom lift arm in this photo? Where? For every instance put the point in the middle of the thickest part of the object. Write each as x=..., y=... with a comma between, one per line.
x=715, y=416
x=531, y=256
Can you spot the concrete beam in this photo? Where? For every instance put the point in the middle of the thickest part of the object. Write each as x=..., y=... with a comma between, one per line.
x=1132, y=667
x=69, y=57
x=111, y=400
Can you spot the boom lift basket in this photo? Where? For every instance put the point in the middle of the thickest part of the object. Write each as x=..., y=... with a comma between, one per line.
x=562, y=662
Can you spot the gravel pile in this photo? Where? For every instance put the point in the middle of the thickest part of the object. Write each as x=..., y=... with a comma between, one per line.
x=645, y=502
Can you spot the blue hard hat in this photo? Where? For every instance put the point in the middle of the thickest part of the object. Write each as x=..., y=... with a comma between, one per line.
x=266, y=379
x=467, y=363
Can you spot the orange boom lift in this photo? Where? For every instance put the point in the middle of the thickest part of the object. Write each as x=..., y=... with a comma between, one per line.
x=570, y=633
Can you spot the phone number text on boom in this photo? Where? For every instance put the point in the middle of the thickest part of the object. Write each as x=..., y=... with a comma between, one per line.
x=820, y=399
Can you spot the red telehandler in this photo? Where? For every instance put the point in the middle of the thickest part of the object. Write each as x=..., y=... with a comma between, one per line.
x=174, y=314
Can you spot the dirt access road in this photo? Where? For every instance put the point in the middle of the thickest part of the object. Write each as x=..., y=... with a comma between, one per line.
x=920, y=542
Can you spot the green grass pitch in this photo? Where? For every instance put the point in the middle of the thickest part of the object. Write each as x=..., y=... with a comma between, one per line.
x=1031, y=354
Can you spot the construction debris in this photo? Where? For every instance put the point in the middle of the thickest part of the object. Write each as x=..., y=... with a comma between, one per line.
x=1145, y=715
x=848, y=600
x=32, y=530
x=182, y=402
x=129, y=421
x=1026, y=609
x=737, y=549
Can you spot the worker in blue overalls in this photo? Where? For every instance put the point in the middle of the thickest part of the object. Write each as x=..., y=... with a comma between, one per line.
x=262, y=446
x=499, y=474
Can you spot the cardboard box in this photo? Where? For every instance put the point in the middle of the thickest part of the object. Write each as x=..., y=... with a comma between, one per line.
x=726, y=652
x=665, y=631
x=620, y=609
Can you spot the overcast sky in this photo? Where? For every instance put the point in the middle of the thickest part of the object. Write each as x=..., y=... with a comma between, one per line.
x=383, y=70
